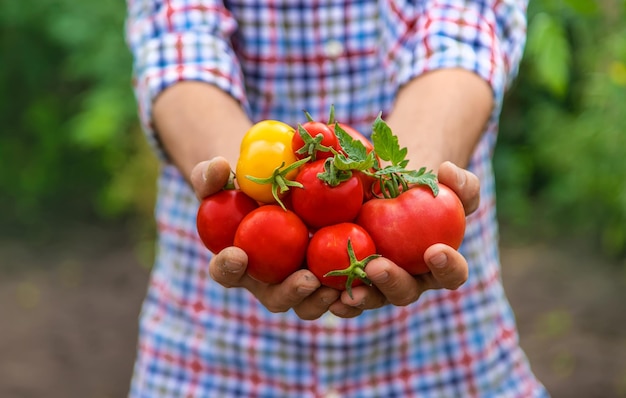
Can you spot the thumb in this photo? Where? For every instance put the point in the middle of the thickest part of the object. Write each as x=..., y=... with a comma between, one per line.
x=210, y=176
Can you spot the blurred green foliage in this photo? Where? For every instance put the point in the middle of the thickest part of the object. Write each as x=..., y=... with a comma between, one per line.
x=560, y=156
x=71, y=147
x=70, y=135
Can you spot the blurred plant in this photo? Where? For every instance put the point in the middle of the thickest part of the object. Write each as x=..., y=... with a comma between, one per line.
x=69, y=141
x=560, y=156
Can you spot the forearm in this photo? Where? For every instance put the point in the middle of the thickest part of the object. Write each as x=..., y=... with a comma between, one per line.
x=440, y=116
x=197, y=121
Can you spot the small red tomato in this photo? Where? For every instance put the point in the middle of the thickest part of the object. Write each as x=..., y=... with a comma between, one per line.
x=219, y=216
x=316, y=141
x=319, y=204
x=275, y=241
x=343, y=250
x=404, y=227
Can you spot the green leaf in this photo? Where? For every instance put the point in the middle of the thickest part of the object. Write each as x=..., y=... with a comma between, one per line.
x=345, y=163
x=354, y=149
x=386, y=144
x=422, y=177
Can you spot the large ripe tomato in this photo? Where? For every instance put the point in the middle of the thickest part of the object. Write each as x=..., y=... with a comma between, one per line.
x=404, y=227
x=219, y=216
x=317, y=144
x=319, y=204
x=275, y=241
x=265, y=148
x=328, y=251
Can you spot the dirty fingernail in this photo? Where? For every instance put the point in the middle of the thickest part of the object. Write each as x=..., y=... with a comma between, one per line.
x=305, y=290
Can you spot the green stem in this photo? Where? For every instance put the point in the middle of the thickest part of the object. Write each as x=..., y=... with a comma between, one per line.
x=355, y=270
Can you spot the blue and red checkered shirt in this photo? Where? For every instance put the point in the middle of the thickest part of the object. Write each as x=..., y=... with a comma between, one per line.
x=278, y=57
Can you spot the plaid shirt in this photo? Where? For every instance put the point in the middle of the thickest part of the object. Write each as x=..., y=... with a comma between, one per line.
x=198, y=339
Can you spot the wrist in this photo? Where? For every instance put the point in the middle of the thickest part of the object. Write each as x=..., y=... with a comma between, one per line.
x=440, y=116
x=196, y=121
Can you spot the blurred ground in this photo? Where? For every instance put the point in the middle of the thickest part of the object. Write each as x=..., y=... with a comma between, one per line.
x=69, y=317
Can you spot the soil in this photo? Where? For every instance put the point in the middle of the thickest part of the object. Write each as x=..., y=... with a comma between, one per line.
x=70, y=306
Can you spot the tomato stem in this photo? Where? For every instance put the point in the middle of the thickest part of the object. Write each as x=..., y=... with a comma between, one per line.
x=355, y=270
x=311, y=144
x=280, y=183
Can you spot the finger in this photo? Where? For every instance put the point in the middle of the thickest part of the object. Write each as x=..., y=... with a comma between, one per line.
x=210, y=176
x=315, y=305
x=397, y=285
x=228, y=267
x=364, y=298
x=463, y=182
x=448, y=267
x=343, y=310
x=281, y=297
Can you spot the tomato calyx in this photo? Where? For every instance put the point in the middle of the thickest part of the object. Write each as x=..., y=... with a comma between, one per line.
x=312, y=145
x=354, y=157
x=280, y=183
x=355, y=270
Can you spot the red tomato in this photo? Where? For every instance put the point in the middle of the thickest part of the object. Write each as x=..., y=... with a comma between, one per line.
x=219, y=216
x=404, y=227
x=328, y=251
x=327, y=138
x=319, y=204
x=275, y=241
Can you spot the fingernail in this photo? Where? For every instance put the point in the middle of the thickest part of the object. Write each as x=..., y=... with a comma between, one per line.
x=461, y=177
x=232, y=266
x=439, y=260
x=205, y=170
x=305, y=290
x=381, y=277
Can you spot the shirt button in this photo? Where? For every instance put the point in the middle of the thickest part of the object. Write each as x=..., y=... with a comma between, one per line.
x=333, y=48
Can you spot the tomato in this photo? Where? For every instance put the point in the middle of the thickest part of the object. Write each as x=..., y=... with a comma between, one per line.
x=275, y=241
x=316, y=141
x=404, y=227
x=329, y=252
x=265, y=148
x=318, y=203
x=219, y=216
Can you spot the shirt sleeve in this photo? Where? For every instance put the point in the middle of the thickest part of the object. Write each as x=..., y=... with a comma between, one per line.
x=485, y=37
x=178, y=40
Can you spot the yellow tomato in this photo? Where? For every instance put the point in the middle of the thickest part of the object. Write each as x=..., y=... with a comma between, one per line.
x=265, y=151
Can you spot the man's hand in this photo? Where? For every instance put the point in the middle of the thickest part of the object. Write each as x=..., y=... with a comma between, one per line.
x=448, y=268
x=303, y=292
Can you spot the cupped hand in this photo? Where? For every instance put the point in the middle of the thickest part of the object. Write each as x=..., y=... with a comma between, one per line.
x=301, y=291
x=448, y=268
